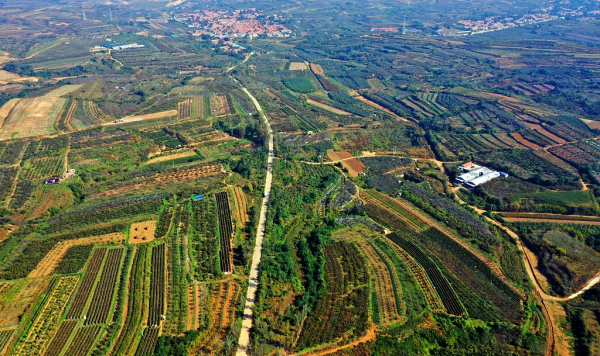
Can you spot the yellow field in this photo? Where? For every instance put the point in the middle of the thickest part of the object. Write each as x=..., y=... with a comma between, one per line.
x=142, y=232
x=187, y=153
x=156, y=115
x=298, y=66
x=49, y=263
x=327, y=107
x=35, y=116
x=6, y=108
x=8, y=77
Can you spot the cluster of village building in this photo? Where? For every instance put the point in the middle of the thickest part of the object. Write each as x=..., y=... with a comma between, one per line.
x=238, y=23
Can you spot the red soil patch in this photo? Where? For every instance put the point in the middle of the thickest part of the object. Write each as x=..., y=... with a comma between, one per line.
x=523, y=141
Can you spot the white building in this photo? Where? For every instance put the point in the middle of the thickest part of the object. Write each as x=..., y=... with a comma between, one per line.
x=483, y=179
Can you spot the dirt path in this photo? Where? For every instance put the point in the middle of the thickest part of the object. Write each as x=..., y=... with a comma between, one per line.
x=556, y=221
x=370, y=336
x=247, y=322
x=558, y=340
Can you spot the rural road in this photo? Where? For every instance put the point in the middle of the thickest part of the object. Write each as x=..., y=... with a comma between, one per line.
x=556, y=338
x=244, y=341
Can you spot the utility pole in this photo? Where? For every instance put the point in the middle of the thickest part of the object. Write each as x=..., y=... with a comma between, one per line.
x=110, y=13
x=404, y=25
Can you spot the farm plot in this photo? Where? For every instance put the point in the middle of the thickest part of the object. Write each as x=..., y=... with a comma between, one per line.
x=85, y=288
x=384, y=278
x=12, y=152
x=177, y=286
x=135, y=305
x=44, y=167
x=429, y=292
x=200, y=107
x=98, y=113
x=7, y=181
x=226, y=230
x=241, y=206
x=66, y=116
x=47, y=265
x=5, y=337
x=298, y=66
x=441, y=285
x=100, y=305
x=473, y=272
x=45, y=321
x=343, y=309
x=224, y=297
x=393, y=207
x=148, y=342
x=354, y=166
x=142, y=232
x=166, y=178
x=184, y=109
x=61, y=337
x=554, y=160
x=157, y=286
x=327, y=107
x=219, y=105
x=84, y=340
x=6, y=109
x=35, y=116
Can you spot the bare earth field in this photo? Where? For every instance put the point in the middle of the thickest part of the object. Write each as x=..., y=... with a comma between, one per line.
x=188, y=153
x=327, y=107
x=8, y=77
x=142, y=232
x=53, y=258
x=298, y=66
x=12, y=309
x=6, y=109
x=35, y=116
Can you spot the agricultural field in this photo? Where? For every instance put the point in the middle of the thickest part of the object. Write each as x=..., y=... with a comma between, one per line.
x=331, y=141
x=35, y=116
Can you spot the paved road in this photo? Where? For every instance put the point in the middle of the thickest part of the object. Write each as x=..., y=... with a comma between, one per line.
x=247, y=322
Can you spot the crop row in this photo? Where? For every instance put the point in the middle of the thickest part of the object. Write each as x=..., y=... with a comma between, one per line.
x=87, y=284
x=104, y=212
x=344, y=306
x=164, y=223
x=61, y=337
x=84, y=340
x=418, y=272
x=22, y=193
x=157, y=286
x=226, y=230
x=5, y=337
x=100, y=305
x=7, y=180
x=204, y=240
x=472, y=262
x=46, y=319
x=44, y=167
x=148, y=342
x=443, y=288
x=10, y=152
x=177, y=309
x=135, y=306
